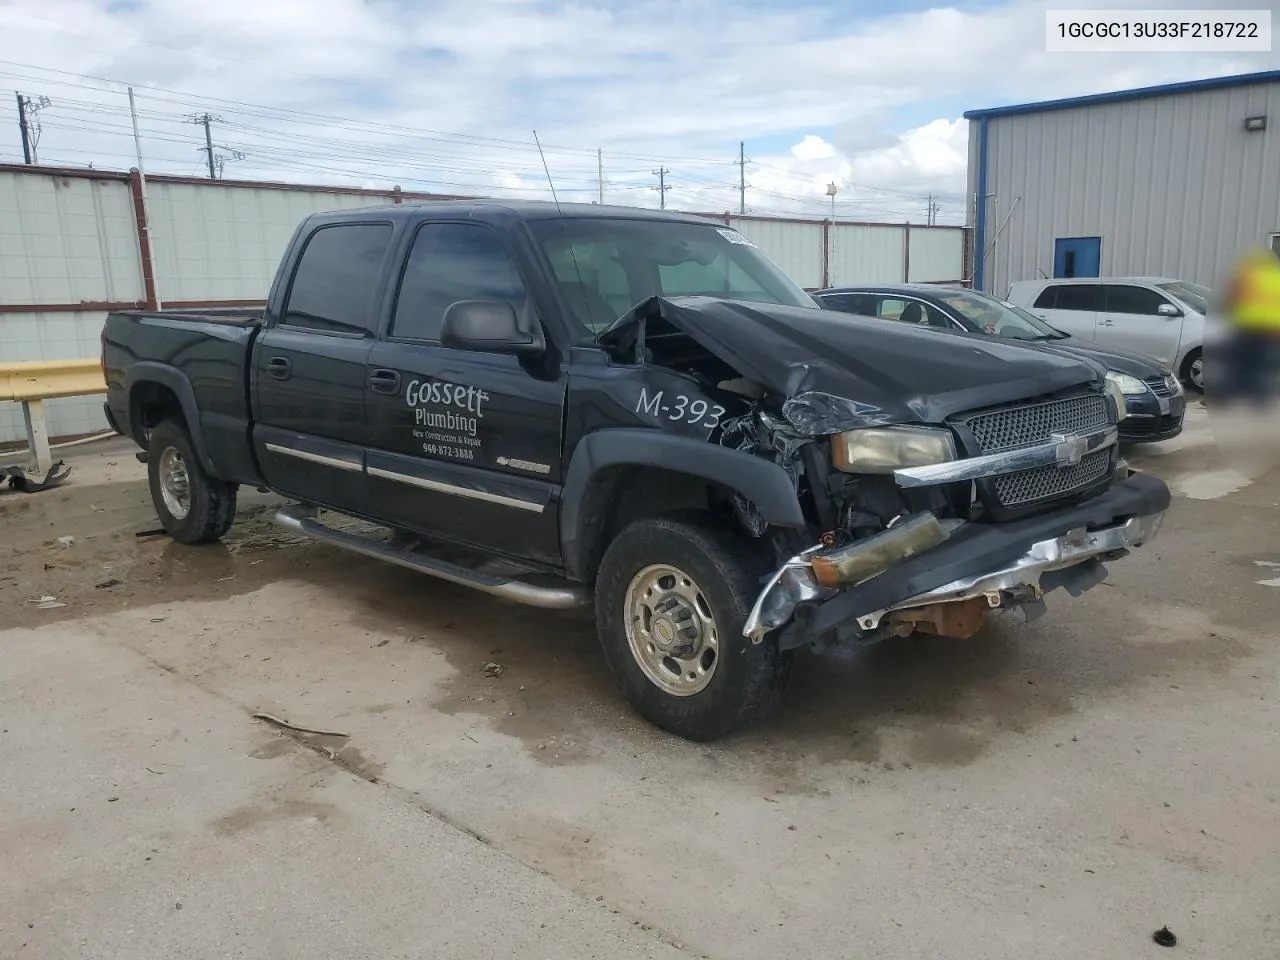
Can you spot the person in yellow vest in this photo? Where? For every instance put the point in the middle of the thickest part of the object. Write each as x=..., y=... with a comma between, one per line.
x=1251, y=310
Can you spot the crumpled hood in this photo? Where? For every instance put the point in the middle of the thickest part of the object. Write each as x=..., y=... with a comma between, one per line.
x=891, y=372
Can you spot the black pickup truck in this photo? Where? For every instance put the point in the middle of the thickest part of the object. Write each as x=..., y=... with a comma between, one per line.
x=579, y=404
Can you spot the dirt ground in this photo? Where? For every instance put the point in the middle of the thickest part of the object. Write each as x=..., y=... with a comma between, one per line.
x=1059, y=789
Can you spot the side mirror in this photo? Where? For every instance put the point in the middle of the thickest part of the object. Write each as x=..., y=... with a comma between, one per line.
x=491, y=326
x=1168, y=310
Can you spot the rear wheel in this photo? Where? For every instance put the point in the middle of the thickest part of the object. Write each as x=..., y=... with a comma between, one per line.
x=672, y=596
x=193, y=507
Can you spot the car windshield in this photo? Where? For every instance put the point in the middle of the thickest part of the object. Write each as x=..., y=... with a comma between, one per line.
x=606, y=265
x=983, y=314
x=1192, y=294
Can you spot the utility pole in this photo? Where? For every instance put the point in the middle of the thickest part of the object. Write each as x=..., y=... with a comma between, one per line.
x=204, y=119
x=742, y=177
x=22, y=125
x=599, y=176
x=28, y=107
x=662, y=187
x=931, y=217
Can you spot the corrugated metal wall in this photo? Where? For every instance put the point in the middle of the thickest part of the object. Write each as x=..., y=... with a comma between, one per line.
x=936, y=255
x=867, y=254
x=63, y=240
x=69, y=240
x=222, y=243
x=794, y=246
x=1174, y=185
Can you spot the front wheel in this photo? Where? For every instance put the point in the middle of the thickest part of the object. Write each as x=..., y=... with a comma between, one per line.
x=672, y=595
x=1193, y=371
x=193, y=507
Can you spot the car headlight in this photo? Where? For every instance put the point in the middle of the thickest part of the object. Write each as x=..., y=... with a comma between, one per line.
x=1117, y=398
x=1129, y=386
x=885, y=449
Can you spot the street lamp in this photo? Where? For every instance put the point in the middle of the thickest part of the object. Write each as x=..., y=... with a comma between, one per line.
x=831, y=192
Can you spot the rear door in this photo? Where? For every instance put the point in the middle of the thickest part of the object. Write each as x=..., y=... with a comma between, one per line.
x=309, y=369
x=463, y=445
x=1131, y=320
x=1071, y=307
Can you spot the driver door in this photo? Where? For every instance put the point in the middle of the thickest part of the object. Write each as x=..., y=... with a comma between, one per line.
x=463, y=445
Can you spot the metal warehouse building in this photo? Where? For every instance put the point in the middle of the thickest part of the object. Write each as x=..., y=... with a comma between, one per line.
x=1160, y=181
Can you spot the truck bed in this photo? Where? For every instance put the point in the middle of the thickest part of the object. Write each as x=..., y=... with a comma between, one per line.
x=199, y=359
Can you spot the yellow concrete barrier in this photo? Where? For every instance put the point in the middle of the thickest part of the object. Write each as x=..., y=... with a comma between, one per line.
x=32, y=382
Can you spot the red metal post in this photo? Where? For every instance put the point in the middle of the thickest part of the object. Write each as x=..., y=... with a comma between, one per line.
x=144, y=239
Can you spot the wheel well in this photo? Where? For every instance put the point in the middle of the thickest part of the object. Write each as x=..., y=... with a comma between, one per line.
x=1185, y=370
x=149, y=404
x=620, y=495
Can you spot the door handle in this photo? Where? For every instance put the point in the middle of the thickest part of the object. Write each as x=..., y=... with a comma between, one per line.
x=1107, y=323
x=384, y=381
x=279, y=367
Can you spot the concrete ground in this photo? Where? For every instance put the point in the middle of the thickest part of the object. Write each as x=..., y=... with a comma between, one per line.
x=1056, y=789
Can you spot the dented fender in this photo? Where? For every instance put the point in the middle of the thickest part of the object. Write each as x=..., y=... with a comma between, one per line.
x=766, y=485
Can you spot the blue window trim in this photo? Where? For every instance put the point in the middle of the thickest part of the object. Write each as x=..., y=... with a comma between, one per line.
x=980, y=211
x=1121, y=96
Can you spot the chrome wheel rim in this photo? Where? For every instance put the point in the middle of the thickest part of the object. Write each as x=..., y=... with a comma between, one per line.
x=175, y=484
x=1197, y=373
x=671, y=630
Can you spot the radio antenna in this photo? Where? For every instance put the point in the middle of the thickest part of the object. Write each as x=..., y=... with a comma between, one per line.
x=547, y=170
x=585, y=316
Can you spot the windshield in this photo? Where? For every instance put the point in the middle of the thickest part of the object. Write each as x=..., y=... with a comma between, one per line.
x=606, y=265
x=1192, y=294
x=983, y=314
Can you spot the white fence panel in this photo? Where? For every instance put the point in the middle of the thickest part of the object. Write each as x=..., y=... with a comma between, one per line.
x=220, y=242
x=866, y=254
x=66, y=240
x=937, y=254
x=795, y=246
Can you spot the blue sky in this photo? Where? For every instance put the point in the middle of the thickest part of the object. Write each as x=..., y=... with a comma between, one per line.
x=445, y=94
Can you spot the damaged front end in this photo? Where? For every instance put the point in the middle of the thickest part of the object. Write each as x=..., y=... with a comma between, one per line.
x=925, y=510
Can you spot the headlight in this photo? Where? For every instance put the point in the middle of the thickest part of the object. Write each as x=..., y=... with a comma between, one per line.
x=1129, y=386
x=1117, y=398
x=883, y=450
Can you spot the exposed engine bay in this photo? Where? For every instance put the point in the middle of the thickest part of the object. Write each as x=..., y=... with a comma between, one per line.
x=887, y=473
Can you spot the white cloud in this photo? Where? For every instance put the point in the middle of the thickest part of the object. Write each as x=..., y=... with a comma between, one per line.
x=444, y=94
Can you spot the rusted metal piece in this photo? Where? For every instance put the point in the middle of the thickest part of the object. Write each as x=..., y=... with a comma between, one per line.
x=144, y=238
x=959, y=619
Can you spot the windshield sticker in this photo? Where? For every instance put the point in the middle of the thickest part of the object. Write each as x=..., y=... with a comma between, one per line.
x=733, y=236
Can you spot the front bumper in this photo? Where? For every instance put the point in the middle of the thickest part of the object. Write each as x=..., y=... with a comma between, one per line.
x=1150, y=418
x=1008, y=563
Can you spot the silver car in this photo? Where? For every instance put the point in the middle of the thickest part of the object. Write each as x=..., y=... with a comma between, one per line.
x=1158, y=317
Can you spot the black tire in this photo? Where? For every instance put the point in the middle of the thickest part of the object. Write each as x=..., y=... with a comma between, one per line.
x=211, y=502
x=749, y=679
x=1185, y=373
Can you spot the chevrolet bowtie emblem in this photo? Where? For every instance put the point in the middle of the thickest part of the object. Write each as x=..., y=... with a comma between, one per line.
x=1070, y=449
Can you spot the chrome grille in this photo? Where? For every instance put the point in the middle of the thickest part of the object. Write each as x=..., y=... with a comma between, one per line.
x=1163, y=386
x=1026, y=426
x=1028, y=486
x=1016, y=427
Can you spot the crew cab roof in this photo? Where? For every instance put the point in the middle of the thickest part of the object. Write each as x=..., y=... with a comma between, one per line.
x=494, y=210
